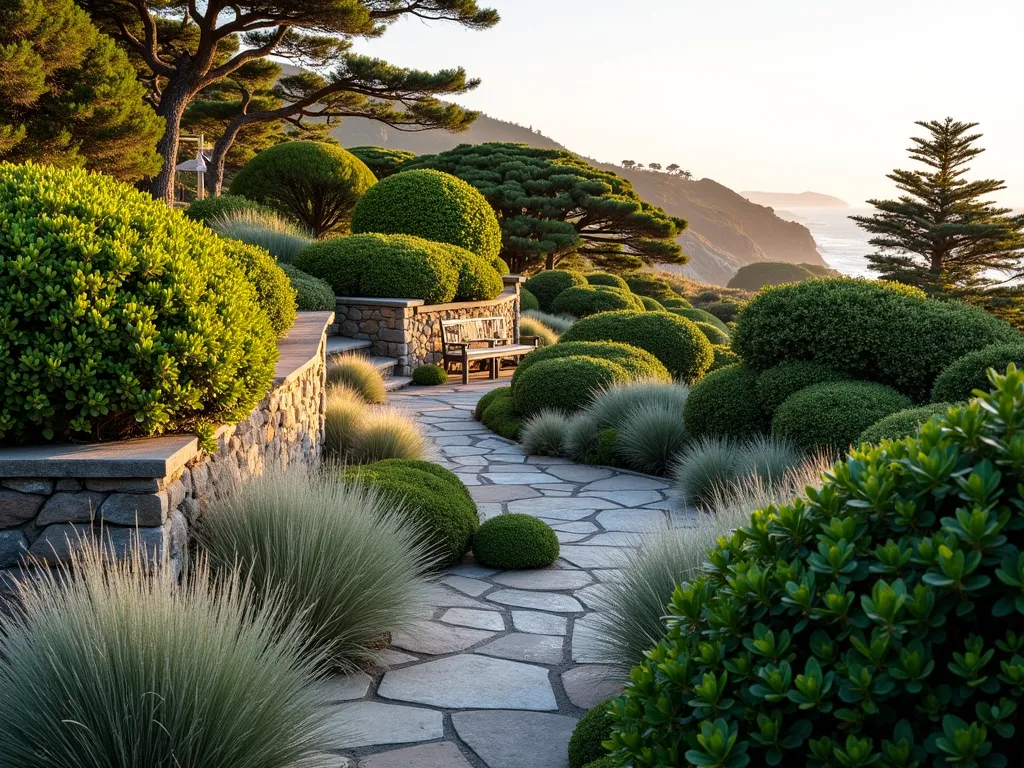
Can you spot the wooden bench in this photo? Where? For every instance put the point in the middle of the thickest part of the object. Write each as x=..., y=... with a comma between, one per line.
x=480, y=338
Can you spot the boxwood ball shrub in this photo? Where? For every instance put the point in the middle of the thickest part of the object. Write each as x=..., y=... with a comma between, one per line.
x=210, y=208
x=565, y=384
x=715, y=335
x=700, y=316
x=646, y=284
x=430, y=375
x=723, y=356
x=723, y=404
x=501, y=416
x=311, y=293
x=434, y=499
x=488, y=398
x=831, y=416
x=592, y=729
x=384, y=266
x=866, y=329
x=873, y=622
x=274, y=290
x=779, y=382
x=675, y=341
x=607, y=278
x=901, y=424
x=432, y=205
x=676, y=302
x=121, y=318
x=514, y=541
x=651, y=305
x=478, y=280
x=964, y=375
x=315, y=184
x=638, y=363
x=546, y=285
x=527, y=301
x=581, y=301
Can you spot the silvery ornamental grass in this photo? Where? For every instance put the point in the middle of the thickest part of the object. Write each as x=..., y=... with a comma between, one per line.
x=266, y=229
x=117, y=665
x=557, y=323
x=707, y=465
x=581, y=436
x=614, y=405
x=347, y=560
x=544, y=433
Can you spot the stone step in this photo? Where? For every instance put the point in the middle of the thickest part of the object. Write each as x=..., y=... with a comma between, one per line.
x=386, y=365
x=339, y=346
x=393, y=383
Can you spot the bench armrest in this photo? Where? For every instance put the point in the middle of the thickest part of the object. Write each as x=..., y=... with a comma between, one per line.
x=527, y=339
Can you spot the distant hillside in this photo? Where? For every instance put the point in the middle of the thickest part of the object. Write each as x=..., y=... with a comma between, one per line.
x=795, y=200
x=726, y=230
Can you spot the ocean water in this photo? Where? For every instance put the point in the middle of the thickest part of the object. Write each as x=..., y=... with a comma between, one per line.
x=842, y=244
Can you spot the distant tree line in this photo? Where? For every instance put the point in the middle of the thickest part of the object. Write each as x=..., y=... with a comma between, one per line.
x=674, y=168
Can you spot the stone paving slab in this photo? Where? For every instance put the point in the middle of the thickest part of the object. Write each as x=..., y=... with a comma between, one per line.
x=441, y=754
x=536, y=649
x=373, y=723
x=516, y=739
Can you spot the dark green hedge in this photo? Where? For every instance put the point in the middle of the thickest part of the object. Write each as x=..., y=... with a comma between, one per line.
x=607, y=278
x=211, y=208
x=901, y=424
x=723, y=404
x=832, y=416
x=564, y=384
x=274, y=290
x=638, y=363
x=960, y=378
x=513, y=542
x=867, y=329
x=675, y=341
x=311, y=293
x=753, y=277
x=432, y=205
x=548, y=284
x=778, y=383
x=582, y=301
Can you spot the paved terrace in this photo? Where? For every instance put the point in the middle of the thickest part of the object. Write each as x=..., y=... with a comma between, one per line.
x=500, y=667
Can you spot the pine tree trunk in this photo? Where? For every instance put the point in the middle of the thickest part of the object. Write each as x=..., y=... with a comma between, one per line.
x=171, y=108
x=220, y=154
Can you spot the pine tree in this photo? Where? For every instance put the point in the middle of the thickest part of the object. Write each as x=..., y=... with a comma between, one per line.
x=941, y=235
x=68, y=96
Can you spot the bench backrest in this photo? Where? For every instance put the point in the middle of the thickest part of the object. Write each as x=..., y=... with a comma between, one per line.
x=473, y=329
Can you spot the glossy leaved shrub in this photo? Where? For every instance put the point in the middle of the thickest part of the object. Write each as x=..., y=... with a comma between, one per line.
x=877, y=621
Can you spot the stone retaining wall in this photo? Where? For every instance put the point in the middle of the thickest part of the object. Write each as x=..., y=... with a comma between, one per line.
x=409, y=330
x=52, y=495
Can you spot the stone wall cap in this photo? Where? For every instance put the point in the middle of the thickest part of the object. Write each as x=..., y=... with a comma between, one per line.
x=300, y=346
x=507, y=295
x=371, y=301
x=513, y=279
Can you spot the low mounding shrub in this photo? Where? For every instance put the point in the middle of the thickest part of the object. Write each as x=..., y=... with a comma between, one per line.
x=830, y=417
x=650, y=438
x=558, y=323
x=274, y=290
x=546, y=285
x=591, y=729
x=723, y=404
x=638, y=363
x=311, y=293
x=478, y=280
x=716, y=336
x=753, y=277
x=607, y=278
x=527, y=301
x=581, y=301
x=544, y=433
x=384, y=266
x=434, y=499
x=651, y=305
x=866, y=329
x=901, y=424
x=383, y=161
x=676, y=302
x=676, y=342
x=360, y=375
x=433, y=205
x=488, y=398
x=430, y=375
x=700, y=316
x=564, y=384
x=779, y=382
x=644, y=284
x=725, y=310
x=608, y=761
x=163, y=333
x=515, y=541
x=499, y=414
x=265, y=229
x=960, y=378
x=724, y=356
x=123, y=666
x=544, y=335
x=890, y=600
x=211, y=208
x=286, y=533
x=313, y=183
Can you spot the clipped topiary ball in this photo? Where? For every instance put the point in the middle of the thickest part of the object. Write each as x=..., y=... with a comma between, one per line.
x=274, y=290
x=591, y=729
x=564, y=384
x=512, y=542
x=646, y=284
x=675, y=341
x=527, y=301
x=901, y=424
x=311, y=293
x=432, y=205
x=700, y=316
x=722, y=404
x=582, y=301
x=970, y=372
x=716, y=336
x=478, y=280
x=488, y=398
x=651, y=305
x=831, y=416
x=500, y=416
x=776, y=384
x=212, y=208
x=607, y=278
x=124, y=318
x=638, y=363
x=548, y=284
x=676, y=302
x=430, y=375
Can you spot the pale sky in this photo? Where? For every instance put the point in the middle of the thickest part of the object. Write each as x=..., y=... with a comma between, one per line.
x=785, y=96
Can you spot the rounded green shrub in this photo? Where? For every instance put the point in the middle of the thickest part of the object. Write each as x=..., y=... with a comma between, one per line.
x=776, y=384
x=548, y=284
x=591, y=729
x=515, y=541
x=435, y=499
x=210, y=208
x=651, y=305
x=675, y=341
x=384, y=266
x=876, y=622
x=500, y=415
x=430, y=375
x=311, y=293
x=646, y=284
x=581, y=301
x=960, y=378
x=723, y=356
x=716, y=336
x=478, y=280
x=122, y=318
x=754, y=277
x=564, y=384
x=676, y=302
x=488, y=398
x=608, y=761
x=723, y=404
x=725, y=310
x=607, y=278
x=274, y=290
x=432, y=205
x=638, y=363
x=901, y=424
x=316, y=184
x=383, y=161
x=527, y=301
x=866, y=329
x=700, y=316
x=831, y=416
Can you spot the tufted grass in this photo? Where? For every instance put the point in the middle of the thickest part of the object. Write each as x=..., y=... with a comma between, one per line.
x=385, y=433
x=581, y=435
x=264, y=228
x=530, y=327
x=651, y=437
x=768, y=458
x=706, y=465
x=614, y=405
x=361, y=375
x=343, y=417
x=557, y=323
x=544, y=433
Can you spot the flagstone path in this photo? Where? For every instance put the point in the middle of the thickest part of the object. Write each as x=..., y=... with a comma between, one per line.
x=500, y=666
